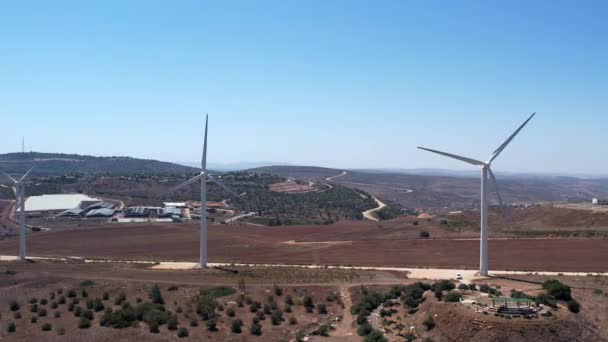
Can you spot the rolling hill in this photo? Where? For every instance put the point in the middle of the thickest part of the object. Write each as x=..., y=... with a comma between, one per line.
x=58, y=164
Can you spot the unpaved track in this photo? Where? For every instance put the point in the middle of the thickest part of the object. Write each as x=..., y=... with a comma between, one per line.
x=369, y=214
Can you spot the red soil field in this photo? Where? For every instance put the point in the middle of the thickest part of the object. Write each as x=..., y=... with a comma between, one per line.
x=342, y=244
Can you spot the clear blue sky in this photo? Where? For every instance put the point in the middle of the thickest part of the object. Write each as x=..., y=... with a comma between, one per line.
x=331, y=83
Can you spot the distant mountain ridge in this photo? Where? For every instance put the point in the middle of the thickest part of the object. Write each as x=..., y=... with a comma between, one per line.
x=57, y=164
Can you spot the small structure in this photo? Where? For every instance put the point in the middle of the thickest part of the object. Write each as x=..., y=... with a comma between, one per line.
x=513, y=306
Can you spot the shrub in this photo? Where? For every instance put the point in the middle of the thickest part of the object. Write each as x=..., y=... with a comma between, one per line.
x=236, y=326
x=217, y=292
x=558, y=290
x=105, y=296
x=546, y=299
x=98, y=305
x=34, y=319
x=574, y=306
x=86, y=283
x=17, y=315
x=61, y=300
x=267, y=309
x=429, y=323
x=260, y=315
x=376, y=336
x=300, y=335
x=54, y=305
x=182, y=332
x=322, y=330
x=11, y=328
x=179, y=309
x=84, y=323
x=84, y=294
x=322, y=309
x=211, y=324
x=287, y=308
x=276, y=317
x=33, y=300
x=172, y=323
x=59, y=291
x=71, y=293
x=172, y=288
x=42, y=312
x=153, y=327
x=364, y=329
x=255, y=306
x=88, y=314
x=453, y=296
x=155, y=295
x=425, y=234
x=10, y=272
x=70, y=307
x=121, y=297
x=34, y=308
x=47, y=327
x=293, y=320
x=77, y=311
x=288, y=300
x=13, y=305
x=256, y=328
x=277, y=290
x=44, y=301
x=193, y=322
x=89, y=304
x=57, y=314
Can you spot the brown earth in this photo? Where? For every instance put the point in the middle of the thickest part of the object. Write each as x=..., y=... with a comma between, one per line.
x=362, y=245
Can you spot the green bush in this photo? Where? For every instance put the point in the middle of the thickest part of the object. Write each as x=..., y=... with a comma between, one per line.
x=13, y=305
x=77, y=311
x=453, y=296
x=276, y=317
x=47, y=327
x=42, y=312
x=322, y=330
x=217, y=292
x=11, y=328
x=230, y=312
x=84, y=323
x=236, y=326
x=277, y=290
x=71, y=293
x=574, y=306
x=17, y=315
x=288, y=300
x=54, y=305
x=61, y=300
x=376, y=336
x=256, y=328
x=364, y=329
x=287, y=309
x=155, y=295
x=84, y=294
x=33, y=300
x=211, y=324
x=322, y=309
x=429, y=323
x=34, y=320
x=293, y=320
x=558, y=290
x=86, y=283
x=44, y=301
x=153, y=328
x=546, y=299
x=255, y=306
x=88, y=314
x=120, y=298
x=172, y=288
x=425, y=235
x=106, y=296
x=172, y=323
x=182, y=332
x=98, y=305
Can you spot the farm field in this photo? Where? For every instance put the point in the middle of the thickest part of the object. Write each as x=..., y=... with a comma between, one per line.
x=342, y=244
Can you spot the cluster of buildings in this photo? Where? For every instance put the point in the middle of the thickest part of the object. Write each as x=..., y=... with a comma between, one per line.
x=86, y=207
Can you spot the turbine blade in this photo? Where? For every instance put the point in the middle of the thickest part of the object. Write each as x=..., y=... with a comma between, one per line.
x=496, y=153
x=9, y=176
x=204, y=161
x=26, y=174
x=464, y=159
x=502, y=205
x=186, y=183
x=223, y=186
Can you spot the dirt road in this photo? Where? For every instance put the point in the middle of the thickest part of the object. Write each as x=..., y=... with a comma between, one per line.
x=369, y=214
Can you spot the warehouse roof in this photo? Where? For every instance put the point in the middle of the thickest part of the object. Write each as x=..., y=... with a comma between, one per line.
x=55, y=202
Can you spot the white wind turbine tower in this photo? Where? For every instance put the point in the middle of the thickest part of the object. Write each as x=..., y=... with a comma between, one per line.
x=19, y=190
x=485, y=170
x=204, y=177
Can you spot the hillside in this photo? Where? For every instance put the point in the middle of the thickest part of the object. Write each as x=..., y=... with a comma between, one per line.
x=434, y=192
x=58, y=164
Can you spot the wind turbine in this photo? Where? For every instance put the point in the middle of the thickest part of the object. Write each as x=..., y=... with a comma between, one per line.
x=19, y=191
x=485, y=171
x=204, y=177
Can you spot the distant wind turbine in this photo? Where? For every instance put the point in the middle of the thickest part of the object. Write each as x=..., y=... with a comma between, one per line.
x=485, y=170
x=204, y=177
x=19, y=190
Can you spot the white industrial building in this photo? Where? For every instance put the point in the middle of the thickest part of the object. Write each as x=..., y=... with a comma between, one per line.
x=55, y=203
